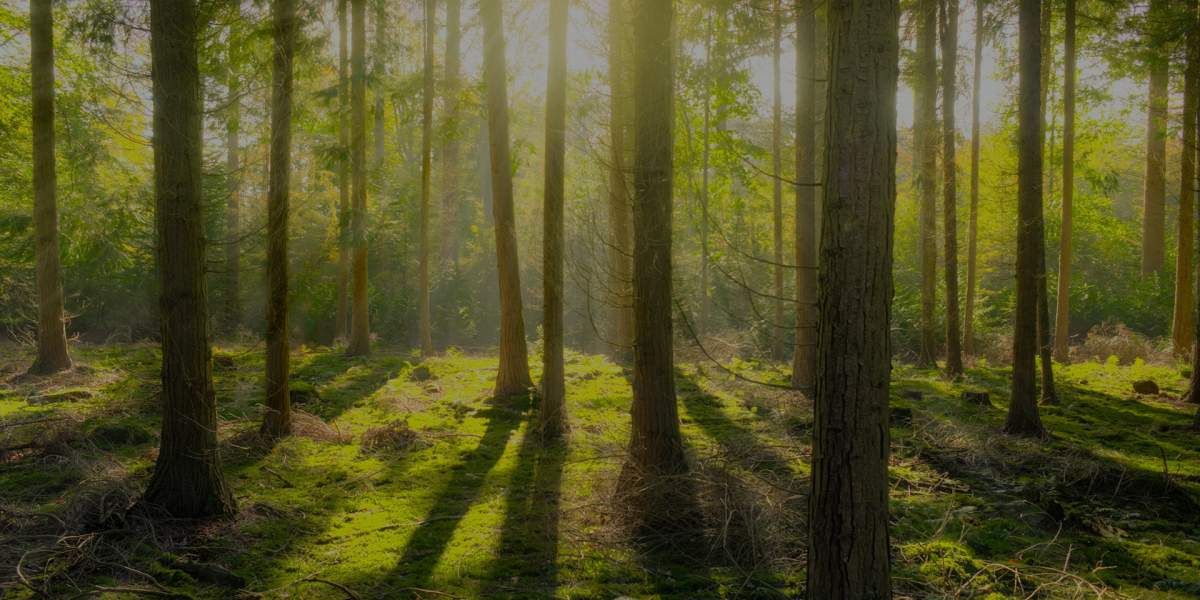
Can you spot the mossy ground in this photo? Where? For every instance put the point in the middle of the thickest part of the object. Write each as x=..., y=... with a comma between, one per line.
x=462, y=499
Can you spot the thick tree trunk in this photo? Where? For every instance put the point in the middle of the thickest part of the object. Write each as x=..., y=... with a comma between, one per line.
x=973, y=222
x=343, y=175
x=1153, y=198
x=777, y=331
x=804, y=360
x=187, y=480
x=52, y=353
x=1182, y=323
x=513, y=375
x=553, y=385
x=848, y=504
x=425, y=324
x=1023, y=418
x=451, y=192
x=1062, y=316
x=231, y=318
x=620, y=246
x=949, y=27
x=925, y=138
x=278, y=419
x=360, y=332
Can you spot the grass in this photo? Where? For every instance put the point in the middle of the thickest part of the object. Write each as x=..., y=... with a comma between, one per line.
x=407, y=484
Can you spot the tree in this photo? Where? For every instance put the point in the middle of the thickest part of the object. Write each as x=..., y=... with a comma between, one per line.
x=949, y=29
x=705, y=163
x=777, y=183
x=343, y=174
x=1023, y=418
x=231, y=307
x=973, y=219
x=848, y=504
x=278, y=419
x=804, y=360
x=620, y=244
x=52, y=353
x=1039, y=219
x=1181, y=323
x=450, y=149
x=925, y=140
x=360, y=333
x=1154, y=192
x=513, y=375
x=425, y=326
x=553, y=385
x=1062, y=314
x=187, y=480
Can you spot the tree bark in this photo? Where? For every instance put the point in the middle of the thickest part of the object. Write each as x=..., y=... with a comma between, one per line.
x=705, y=167
x=1062, y=317
x=187, y=480
x=777, y=331
x=231, y=318
x=804, y=359
x=1043, y=298
x=278, y=419
x=1154, y=193
x=621, y=244
x=513, y=375
x=360, y=333
x=343, y=174
x=973, y=222
x=379, y=56
x=848, y=504
x=949, y=28
x=451, y=192
x=425, y=325
x=52, y=353
x=1023, y=418
x=925, y=138
x=553, y=385
x=1181, y=324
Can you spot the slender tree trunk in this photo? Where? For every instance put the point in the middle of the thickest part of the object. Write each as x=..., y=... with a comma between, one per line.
x=278, y=419
x=379, y=71
x=553, y=385
x=804, y=360
x=232, y=307
x=187, y=480
x=973, y=222
x=954, y=363
x=620, y=246
x=1062, y=317
x=1043, y=297
x=1153, y=209
x=513, y=375
x=925, y=137
x=360, y=333
x=343, y=174
x=1193, y=392
x=1023, y=418
x=848, y=504
x=1182, y=324
x=52, y=353
x=777, y=333
x=425, y=327
x=705, y=158
x=451, y=192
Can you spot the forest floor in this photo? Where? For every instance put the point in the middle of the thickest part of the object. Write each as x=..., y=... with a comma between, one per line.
x=406, y=480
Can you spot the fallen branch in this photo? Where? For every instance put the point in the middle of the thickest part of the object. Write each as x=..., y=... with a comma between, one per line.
x=345, y=590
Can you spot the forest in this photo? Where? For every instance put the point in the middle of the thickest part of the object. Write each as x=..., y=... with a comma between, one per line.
x=599, y=299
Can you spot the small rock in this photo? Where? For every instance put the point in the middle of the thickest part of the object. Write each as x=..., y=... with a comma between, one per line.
x=1146, y=387
x=901, y=415
x=977, y=398
x=912, y=394
x=421, y=373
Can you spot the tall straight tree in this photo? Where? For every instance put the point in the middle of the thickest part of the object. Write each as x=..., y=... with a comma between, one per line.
x=1062, y=312
x=1039, y=218
x=231, y=308
x=973, y=219
x=705, y=164
x=848, y=504
x=620, y=244
x=1154, y=192
x=1023, y=417
x=513, y=375
x=949, y=29
x=553, y=385
x=656, y=457
x=925, y=139
x=1181, y=324
x=804, y=359
x=451, y=192
x=777, y=183
x=52, y=353
x=425, y=322
x=379, y=55
x=278, y=419
x=360, y=332
x=187, y=480
x=343, y=174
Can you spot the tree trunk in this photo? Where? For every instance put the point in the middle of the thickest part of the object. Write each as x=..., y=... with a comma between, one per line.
x=777, y=330
x=1043, y=302
x=620, y=246
x=425, y=326
x=379, y=55
x=343, y=174
x=848, y=504
x=278, y=419
x=1153, y=209
x=451, y=192
x=973, y=222
x=705, y=158
x=925, y=138
x=360, y=333
x=1181, y=325
x=513, y=375
x=1062, y=317
x=1023, y=418
x=232, y=307
x=954, y=363
x=553, y=385
x=804, y=360
x=52, y=353
x=187, y=480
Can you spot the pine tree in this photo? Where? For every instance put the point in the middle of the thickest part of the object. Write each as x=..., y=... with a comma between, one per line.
x=620, y=231
x=804, y=360
x=425, y=324
x=553, y=385
x=925, y=139
x=949, y=29
x=1062, y=314
x=1184, y=313
x=360, y=332
x=343, y=175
